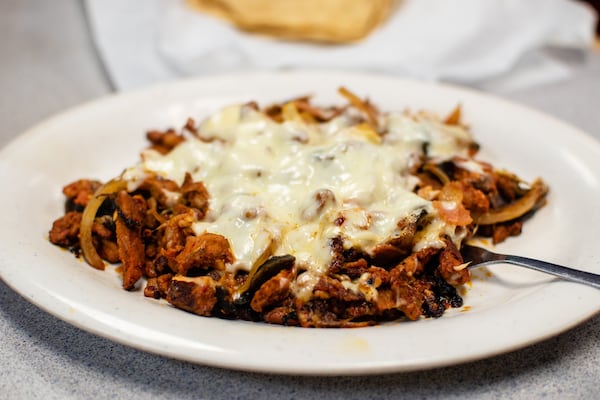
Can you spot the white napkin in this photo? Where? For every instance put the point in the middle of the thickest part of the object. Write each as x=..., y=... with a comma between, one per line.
x=499, y=44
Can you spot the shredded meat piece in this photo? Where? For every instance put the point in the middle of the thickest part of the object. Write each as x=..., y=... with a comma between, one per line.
x=503, y=231
x=386, y=300
x=65, y=230
x=450, y=206
x=359, y=309
x=131, y=211
x=328, y=288
x=158, y=266
x=450, y=257
x=410, y=266
x=108, y=250
x=159, y=190
x=197, y=295
x=407, y=298
x=158, y=287
x=508, y=187
x=474, y=199
x=354, y=269
x=284, y=315
x=272, y=292
x=388, y=254
x=104, y=238
x=207, y=251
x=151, y=289
x=322, y=313
x=190, y=126
x=104, y=227
x=80, y=192
x=378, y=276
x=413, y=264
x=195, y=195
x=400, y=246
x=175, y=231
x=164, y=142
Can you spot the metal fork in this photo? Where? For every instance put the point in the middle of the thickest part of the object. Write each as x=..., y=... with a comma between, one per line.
x=479, y=257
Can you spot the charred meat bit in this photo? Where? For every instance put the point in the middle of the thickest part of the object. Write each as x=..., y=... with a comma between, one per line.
x=151, y=289
x=284, y=315
x=164, y=142
x=260, y=274
x=79, y=194
x=204, y=252
x=501, y=231
x=272, y=292
x=331, y=288
x=410, y=266
x=195, y=195
x=131, y=212
x=65, y=230
x=161, y=190
x=197, y=295
x=450, y=205
x=450, y=258
x=408, y=299
x=104, y=238
x=173, y=233
x=190, y=126
x=354, y=269
x=158, y=287
x=474, y=199
x=108, y=250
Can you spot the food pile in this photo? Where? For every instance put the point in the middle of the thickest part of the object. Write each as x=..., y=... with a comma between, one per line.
x=297, y=214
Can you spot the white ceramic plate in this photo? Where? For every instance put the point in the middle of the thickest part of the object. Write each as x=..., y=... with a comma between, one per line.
x=506, y=309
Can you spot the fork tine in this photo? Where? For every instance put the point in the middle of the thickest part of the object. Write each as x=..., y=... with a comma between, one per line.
x=480, y=257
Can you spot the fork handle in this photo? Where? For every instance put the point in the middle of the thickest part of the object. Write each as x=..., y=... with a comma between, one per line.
x=569, y=274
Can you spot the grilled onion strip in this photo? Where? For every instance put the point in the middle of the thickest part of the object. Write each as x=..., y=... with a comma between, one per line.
x=87, y=221
x=516, y=209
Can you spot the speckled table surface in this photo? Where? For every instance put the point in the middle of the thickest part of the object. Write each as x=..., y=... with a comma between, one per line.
x=49, y=64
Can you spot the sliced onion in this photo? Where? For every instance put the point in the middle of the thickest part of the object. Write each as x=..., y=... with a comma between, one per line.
x=87, y=221
x=360, y=104
x=437, y=172
x=517, y=208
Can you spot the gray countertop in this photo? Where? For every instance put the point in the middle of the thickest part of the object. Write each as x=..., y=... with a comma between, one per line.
x=49, y=64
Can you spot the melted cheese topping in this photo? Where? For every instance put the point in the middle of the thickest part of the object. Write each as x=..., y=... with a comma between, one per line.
x=289, y=188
